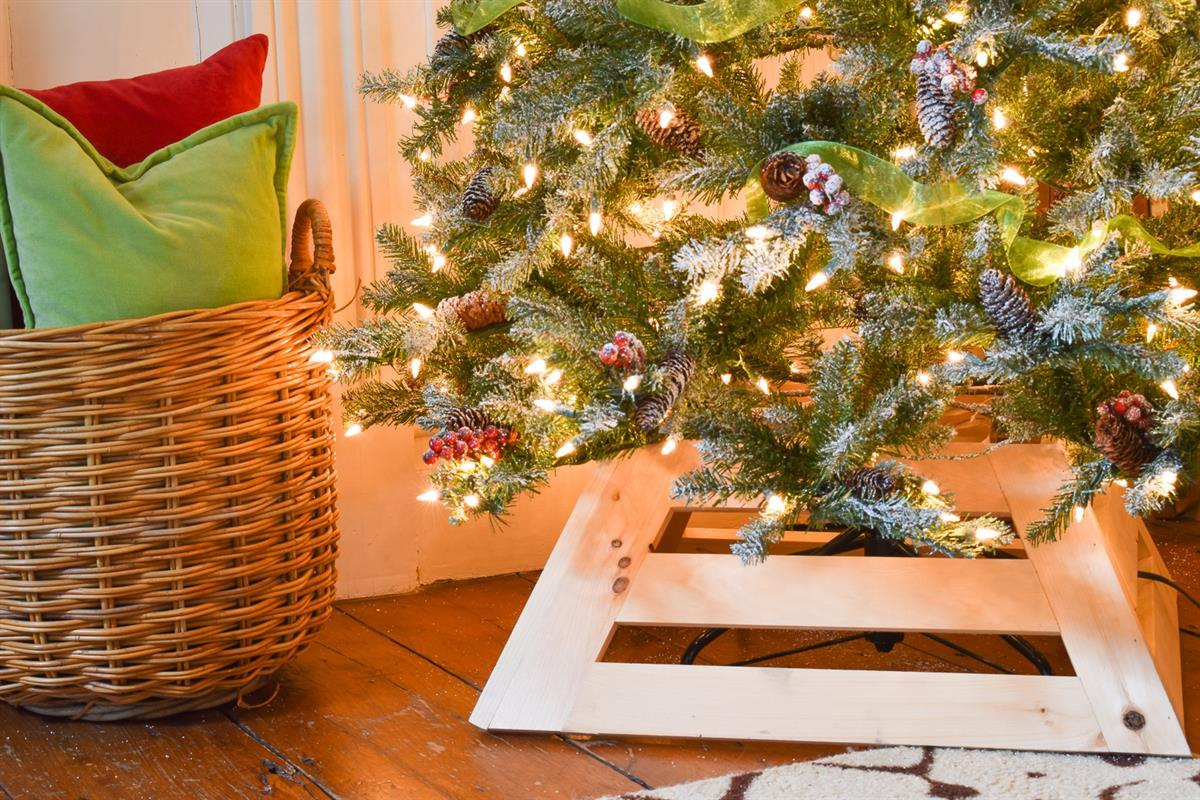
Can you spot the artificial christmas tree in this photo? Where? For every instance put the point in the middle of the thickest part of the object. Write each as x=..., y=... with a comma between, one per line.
x=907, y=209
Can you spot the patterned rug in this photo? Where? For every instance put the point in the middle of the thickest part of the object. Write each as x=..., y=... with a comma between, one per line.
x=918, y=773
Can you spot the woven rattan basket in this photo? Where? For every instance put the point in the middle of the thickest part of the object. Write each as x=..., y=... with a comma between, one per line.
x=167, y=508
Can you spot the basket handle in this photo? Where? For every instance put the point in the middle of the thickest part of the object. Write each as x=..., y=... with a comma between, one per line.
x=312, y=249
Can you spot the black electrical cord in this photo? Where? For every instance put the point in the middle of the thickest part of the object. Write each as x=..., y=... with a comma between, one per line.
x=1163, y=579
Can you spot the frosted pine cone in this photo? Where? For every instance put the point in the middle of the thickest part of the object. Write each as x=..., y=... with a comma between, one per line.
x=1007, y=305
x=782, y=176
x=475, y=310
x=869, y=483
x=652, y=409
x=466, y=417
x=940, y=81
x=480, y=200
x=681, y=133
x=451, y=42
x=1122, y=432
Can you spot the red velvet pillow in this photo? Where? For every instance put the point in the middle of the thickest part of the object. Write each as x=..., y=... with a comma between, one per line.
x=129, y=118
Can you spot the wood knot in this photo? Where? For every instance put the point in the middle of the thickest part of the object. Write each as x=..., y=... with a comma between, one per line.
x=624, y=562
x=620, y=585
x=1134, y=720
x=616, y=543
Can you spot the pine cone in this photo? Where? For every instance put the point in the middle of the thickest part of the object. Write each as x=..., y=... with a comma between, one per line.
x=935, y=111
x=453, y=42
x=475, y=310
x=682, y=133
x=1007, y=305
x=1122, y=432
x=652, y=409
x=466, y=417
x=782, y=176
x=869, y=483
x=479, y=201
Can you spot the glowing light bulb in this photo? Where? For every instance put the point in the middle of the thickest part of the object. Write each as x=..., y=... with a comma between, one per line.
x=506, y=72
x=895, y=263
x=1181, y=294
x=669, y=445
x=930, y=488
x=530, y=173
x=414, y=367
x=924, y=378
x=904, y=153
x=897, y=218
x=553, y=377
x=409, y=101
x=704, y=64
x=423, y=221
x=565, y=450
x=466, y=467
x=469, y=114
x=536, y=367
x=1133, y=17
x=818, y=280
x=321, y=357
x=520, y=49
x=632, y=383
x=430, y=496
x=1168, y=477
x=669, y=209
x=999, y=119
x=956, y=17
x=1078, y=513
x=1151, y=332
x=1120, y=62
x=806, y=13
x=566, y=244
x=547, y=405
x=1195, y=196
x=665, y=117
x=707, y=292
x=471, y=501
x=985, y=534
x=425, y=155
x=949, y=518
x=1012, y=177
x=487, y=461
x=955, y=356
x=726, y=378
x=762, y=385
x=776, y=505
x=595, y=222
x=353, y=429
x=1170, y=388
x=423, y=311
x=759, y=233
x=583, y=137
x=981, y=58
x=1124, y=484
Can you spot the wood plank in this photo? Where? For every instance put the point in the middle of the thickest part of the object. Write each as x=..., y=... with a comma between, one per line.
x=198, y=756
x=1121, y=536
x=568, y=619
x=376, y=721
x=971, y=480
x=1099, y=628
x=1158, y=613
x=881, y=594
x=1021, y=711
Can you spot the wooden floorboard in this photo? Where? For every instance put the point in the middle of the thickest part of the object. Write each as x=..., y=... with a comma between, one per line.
x=378, y=709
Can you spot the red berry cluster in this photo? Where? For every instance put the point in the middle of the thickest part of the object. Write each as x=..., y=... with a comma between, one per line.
x=625, y=351
x=955, y=78
x=1133, y=408
x=468, y=444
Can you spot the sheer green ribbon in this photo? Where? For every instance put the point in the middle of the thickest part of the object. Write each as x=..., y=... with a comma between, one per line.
x=709, y=21
x=885, y=185
x=471, y=16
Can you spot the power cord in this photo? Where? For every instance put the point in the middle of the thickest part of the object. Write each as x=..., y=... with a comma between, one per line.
x=1163, y=579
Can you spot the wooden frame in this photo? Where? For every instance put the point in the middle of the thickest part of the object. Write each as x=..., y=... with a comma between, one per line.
x=1121, y=633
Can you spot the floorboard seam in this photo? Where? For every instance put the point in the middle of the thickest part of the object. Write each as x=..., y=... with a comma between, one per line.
x=248, y=731
x=604, y=761
x=410, y=649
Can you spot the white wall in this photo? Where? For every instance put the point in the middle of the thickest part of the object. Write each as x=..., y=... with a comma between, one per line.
x=347, y=157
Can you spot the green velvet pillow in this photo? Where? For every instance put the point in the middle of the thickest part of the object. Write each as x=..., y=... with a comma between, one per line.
x=198, y=224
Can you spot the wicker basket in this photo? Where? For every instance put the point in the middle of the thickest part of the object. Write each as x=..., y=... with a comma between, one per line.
x=167, y=507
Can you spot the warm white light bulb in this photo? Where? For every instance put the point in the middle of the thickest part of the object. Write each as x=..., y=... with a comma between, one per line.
x=1013, y=177
x=536, y=367
x=583, y=137
x=506, y=72
x=665, y=117
x=981, y=57
x=904, y=153
x=949, y=518
x=924, y=378
x=818, y=280
x=897, y=218
x=353, y=429
x=595, y=222
x=762, y=385
x=985, y=534
x=547, y=405
x=726, y=378
x=414, y=367
x=487, y=461
x=669, y=445
x=1170, y=388
x=553, y=377
x=1120, y=62
x=430, y=496
x=931, y=488
x=530, y=173
x=408, y=100
x=669, y=209
x=469, y=114
x=759, y=233
x=895, y=263
x=471, y=501
x=704, y=64
x=425, y=155
x=423, y=221
x=1195, y=196
x=566, y=244
x=1151, y=332
x=321, y=357
x=707, y=292
x=565, y=450
x=1181, y=294
x=955, y=356
x=956, y=16
x=632, y=383
x=520, y=49
x=1078, y=513
x=424, y=311
x=806, y=13
x=776, y=505
x=1133, y=16
x=999, y=119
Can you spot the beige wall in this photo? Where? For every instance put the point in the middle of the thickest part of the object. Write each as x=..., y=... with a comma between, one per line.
x=347, y=156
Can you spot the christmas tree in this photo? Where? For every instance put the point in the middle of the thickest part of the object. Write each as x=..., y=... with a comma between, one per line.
x=993, y=199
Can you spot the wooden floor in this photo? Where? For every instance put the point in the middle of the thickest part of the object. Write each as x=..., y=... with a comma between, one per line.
x=378, y=709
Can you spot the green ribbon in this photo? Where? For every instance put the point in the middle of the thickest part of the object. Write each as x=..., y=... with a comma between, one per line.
x=471, y=16
x=885, y=185
x=709, y=21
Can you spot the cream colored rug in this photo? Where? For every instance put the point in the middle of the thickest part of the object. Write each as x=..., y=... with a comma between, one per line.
x=918, y=773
